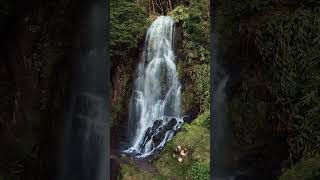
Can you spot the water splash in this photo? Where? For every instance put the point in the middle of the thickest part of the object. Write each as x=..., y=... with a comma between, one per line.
x=155, y=103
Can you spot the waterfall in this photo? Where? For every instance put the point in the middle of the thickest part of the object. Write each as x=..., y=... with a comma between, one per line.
x=154, y=112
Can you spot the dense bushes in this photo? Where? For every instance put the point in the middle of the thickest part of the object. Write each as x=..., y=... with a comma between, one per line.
x=128, y=25
x=195, y=24
x=290, y=47
x=271, y=51
x=194, y=63
x=283, y=92
x=200, y=77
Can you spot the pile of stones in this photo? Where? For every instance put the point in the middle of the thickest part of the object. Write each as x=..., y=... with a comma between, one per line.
x=179, y=153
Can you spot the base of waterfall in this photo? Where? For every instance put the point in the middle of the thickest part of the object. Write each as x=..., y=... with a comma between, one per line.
x=155, y=137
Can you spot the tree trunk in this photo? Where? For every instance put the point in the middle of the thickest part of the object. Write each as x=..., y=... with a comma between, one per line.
x=170, y=5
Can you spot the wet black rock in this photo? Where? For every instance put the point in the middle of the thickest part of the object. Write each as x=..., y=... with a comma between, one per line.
x=170, y=124
x=156, y=125
x=161, y=134
x=151, y=131
x=158, y=131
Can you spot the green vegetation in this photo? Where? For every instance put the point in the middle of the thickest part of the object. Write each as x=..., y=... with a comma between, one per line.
x=291, y=48
x=200, y=171
x=194, y=66
x=288, y=53
x=200, y=77
x=195, y=23
x=128, y=25
x=196, y=138
x=271, y=50
x=130, y=172
x=304, y=170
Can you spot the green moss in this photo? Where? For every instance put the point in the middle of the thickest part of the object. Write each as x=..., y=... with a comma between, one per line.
x=200, y=171
x=196, y=138
x=303, y=170
x=129, y=172
x=204, y=119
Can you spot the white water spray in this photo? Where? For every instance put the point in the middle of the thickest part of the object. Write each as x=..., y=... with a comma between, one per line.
x=155, y=103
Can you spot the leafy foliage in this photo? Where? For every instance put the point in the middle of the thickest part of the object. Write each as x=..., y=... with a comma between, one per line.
x=200, y=77
x=192, y=22
x=290, y=46
x=128, y=25
x=271, y=51
x=195, y=25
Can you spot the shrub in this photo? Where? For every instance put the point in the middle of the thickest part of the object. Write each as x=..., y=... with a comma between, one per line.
x=200, y=171
x=200, y=77
x=128, y=24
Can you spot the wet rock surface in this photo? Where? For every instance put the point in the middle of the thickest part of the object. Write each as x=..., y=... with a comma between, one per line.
x=157, y=133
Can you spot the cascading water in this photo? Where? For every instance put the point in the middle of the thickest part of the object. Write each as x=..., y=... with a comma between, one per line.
x=155, y=102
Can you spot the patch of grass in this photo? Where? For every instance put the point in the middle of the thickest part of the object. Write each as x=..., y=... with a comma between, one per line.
x=200, y=171
x=204, y=119
x=130, y=172
x=303, y=170
x=196, y=137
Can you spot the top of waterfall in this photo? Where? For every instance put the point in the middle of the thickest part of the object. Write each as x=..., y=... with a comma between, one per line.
x=159, y=36
x=161, y=24
x=162, y=16
x=164, y=20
